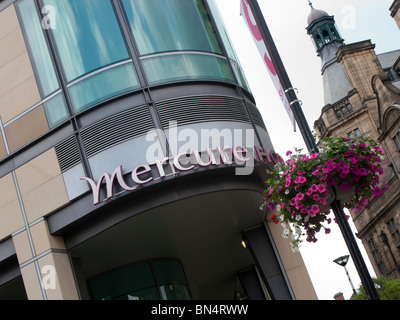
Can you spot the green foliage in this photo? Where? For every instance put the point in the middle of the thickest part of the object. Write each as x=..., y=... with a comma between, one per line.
x=387, y=289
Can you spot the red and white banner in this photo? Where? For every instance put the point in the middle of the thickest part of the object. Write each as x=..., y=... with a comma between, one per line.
x=245, y=11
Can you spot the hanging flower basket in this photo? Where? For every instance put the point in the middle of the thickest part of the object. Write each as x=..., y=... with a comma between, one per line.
x=303, y=187
x=344, y=196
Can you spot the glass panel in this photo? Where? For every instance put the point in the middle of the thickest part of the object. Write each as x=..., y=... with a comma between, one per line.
x=160, y=26
x=228, y=44
x=186, y=66
x=172, y=280
x=87, y=35
x=128, y=283
x=103, y=85
x=37, y=46
x=222, y=30
x=240, y=76
x=397, y=142
x=56, y=110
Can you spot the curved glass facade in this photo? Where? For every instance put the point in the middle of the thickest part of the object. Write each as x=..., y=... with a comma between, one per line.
x=152, y=280
x=88, y=38
x=42, y=63
x=179, y=25
x=228, y=45
x=174, y=67
x=97, y=46
x=183, y=32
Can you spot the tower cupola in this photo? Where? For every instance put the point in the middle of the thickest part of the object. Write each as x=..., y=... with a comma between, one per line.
x=327, y=41
x=323, y=31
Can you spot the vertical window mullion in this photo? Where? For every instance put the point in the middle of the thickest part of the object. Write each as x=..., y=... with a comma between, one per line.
x=130, y=41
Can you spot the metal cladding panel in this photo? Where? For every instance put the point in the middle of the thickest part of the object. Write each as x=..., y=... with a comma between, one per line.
x=116, y=129
x=68, y=153
x=195, y=109
x=335, y=82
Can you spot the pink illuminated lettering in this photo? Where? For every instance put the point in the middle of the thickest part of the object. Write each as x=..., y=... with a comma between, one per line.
x=200, y=162
x=227, y=156
x=117, y=173
x=178, y=165
x=143, y=169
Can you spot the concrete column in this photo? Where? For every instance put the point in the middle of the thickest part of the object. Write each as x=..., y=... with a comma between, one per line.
x=268, y=264
x=45, y=266
x=292, y=262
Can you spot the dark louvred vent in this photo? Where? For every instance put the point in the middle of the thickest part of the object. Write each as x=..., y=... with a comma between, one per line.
x=68, y=153
x=116, y=129
x=195, y=109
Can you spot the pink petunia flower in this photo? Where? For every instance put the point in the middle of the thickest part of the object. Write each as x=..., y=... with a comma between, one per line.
x=346, y=169
x=376, y=192
x=377, y=148
x=362, y=172
x=314, y=173
x=299, y=196
x=302, y=179
x=299, y=205
x=345, y=186
x=341, y=165
x=315, y=208
x=331, y=166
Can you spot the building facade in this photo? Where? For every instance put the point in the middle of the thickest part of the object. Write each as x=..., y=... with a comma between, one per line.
x=362, y=97
x=132, y=158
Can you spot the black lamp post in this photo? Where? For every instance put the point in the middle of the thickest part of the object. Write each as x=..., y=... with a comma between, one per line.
x=342, y=261
x=385, y=241
x=312, y=146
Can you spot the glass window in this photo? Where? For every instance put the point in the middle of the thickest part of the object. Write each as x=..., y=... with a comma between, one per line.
x=377, y=257
x=37, y=46
x=354, y=133
x=160, y=26
x=42, y=63
x=87, y=35
x=394, y=231
x=396, y=139
x=186, y=66
x=171, y=279
x=128, y=283
x=176, y=41
x=55, y=109
x=89, y=40
x=228, y=45
x=102, y=85
x=144, y=281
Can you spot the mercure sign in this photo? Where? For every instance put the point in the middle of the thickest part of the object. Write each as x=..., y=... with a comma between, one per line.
x=144, y=174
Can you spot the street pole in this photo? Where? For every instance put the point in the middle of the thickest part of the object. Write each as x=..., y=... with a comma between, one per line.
x=351, y=283
x=312, y=147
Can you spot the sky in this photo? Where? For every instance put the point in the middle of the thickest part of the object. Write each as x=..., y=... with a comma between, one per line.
x=357, y=20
